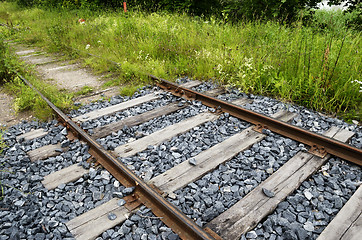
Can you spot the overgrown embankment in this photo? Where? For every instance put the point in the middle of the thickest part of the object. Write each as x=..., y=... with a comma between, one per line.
x=315, y=66
x=25, y=98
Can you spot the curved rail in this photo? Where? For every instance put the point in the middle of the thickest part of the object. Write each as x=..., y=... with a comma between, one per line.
x=320, y=145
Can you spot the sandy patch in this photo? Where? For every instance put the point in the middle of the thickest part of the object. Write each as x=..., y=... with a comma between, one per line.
x=70, y=77
x=37, y=59
x=8, y=116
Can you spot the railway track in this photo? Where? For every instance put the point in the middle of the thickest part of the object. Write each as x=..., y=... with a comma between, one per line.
x=219, y=171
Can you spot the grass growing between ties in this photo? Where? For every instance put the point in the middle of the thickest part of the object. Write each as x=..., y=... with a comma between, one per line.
x=317, y=66
x=25, y=98
x=129, y=90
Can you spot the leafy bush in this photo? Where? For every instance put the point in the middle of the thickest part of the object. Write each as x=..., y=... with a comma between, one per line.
x=266, y=9
x=334, y=21
x=25, y=3
x=231, y=9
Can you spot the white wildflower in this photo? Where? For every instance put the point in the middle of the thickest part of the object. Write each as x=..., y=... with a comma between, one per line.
x=197, y=53
x=359, y=82
x=219, y=68
x=87, y=46
x=206, y=53
x=248, y=63
x=267, y=67
x=140, y=55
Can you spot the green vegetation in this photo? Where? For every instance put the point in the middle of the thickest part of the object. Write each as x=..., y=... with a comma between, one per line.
x=26, y=99
x=129, y=90
x=318, y=65
x=2, y=143
x=5, y=63
x=228, y=10
x=336, y=22
x=85, y=90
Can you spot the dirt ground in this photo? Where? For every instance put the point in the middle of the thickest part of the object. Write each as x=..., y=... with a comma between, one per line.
x=8, y=116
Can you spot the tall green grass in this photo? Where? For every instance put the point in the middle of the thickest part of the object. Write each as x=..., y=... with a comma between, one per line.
x=333, y=21
x=305, y=65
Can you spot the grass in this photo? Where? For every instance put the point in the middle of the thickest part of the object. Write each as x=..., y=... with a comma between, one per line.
x=129, y=90
x=335, y=21
x=312, y=66
x=25, y=98
x=2, y=143
x=28, y=100
x=84, y=91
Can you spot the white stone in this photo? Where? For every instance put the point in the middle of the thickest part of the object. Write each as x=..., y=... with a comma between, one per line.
x=105, y=175
x=172, y=195
x=308, y=226
x=173, y=149
x=227, y=189
x=116, y=184
x=308, y=195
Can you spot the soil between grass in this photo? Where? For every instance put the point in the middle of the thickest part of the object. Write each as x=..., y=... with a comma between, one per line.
x=8, y=116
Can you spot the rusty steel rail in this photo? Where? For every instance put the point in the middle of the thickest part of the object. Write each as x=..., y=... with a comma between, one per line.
x=143, y=193
x=321, y=145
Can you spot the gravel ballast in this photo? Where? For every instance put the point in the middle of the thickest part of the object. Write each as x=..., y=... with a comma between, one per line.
x=205, y=199
x=305, y=213
x=158, y=159
x=29, y=211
